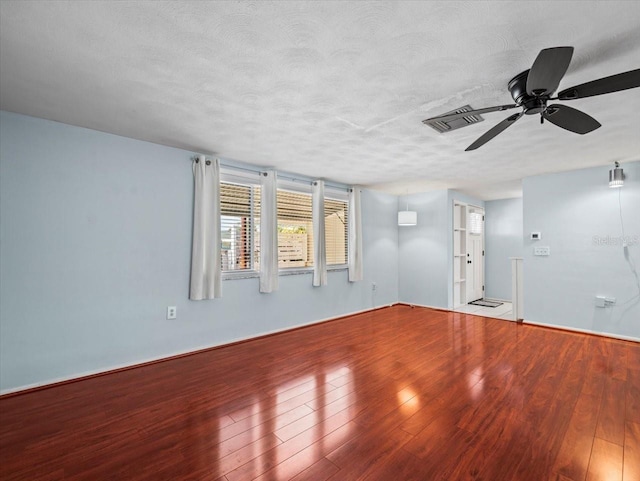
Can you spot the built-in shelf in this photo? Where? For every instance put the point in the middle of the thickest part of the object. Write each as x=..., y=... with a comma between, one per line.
x=459, y=256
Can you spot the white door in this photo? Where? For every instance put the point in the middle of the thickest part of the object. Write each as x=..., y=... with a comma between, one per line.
x=475, y=253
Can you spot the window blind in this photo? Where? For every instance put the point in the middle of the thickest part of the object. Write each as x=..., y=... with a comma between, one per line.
x=336, y=242
x=295, y=229
x=240, y=226
x=240, y=213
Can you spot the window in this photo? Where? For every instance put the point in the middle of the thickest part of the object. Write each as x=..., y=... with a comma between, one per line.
x=335, y=231
x=239, y=220
x=295, y=229
x=475, y=223
x=240, y=225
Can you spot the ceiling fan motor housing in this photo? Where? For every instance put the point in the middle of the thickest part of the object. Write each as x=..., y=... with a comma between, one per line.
x=518, y=88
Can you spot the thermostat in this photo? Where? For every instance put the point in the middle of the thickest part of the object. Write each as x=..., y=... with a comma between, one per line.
x=536, y=236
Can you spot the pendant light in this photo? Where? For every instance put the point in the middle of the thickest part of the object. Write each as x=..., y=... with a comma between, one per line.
x=407, y=217
x=616, y=176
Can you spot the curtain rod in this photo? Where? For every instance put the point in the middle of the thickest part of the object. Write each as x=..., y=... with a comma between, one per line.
x=310, y=182
x=279, y=175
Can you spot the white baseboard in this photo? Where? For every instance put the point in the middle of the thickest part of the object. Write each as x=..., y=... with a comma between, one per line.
x=437, y=308
x=140, y=362
x=583, y=331
x=554, y=326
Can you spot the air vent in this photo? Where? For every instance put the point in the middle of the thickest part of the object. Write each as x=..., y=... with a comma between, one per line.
x=450, y=125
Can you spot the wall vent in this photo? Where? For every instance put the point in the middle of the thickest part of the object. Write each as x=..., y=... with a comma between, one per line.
x=450, y=125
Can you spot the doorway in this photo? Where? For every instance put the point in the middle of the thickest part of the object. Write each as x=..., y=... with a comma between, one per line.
x=469, y=265
x=475, y=254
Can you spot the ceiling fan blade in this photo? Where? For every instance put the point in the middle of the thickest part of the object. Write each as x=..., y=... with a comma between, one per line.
x=606, y=85
x=458, y=115
x=548, y=69
x=490, y=134
x=570, y=119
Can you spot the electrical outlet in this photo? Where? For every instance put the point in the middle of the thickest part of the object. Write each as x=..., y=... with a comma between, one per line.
x=172, y=312
x=542, y=251
x=374, y=286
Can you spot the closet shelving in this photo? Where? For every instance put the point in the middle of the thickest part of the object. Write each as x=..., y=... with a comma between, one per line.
x=459, y=253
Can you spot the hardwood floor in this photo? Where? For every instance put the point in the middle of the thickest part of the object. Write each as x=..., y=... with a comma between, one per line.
x=396, y=394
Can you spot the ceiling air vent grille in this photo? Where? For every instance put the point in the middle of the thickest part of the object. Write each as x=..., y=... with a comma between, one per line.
x=450, y=125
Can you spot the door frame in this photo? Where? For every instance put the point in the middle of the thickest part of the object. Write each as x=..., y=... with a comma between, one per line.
x=469, y=267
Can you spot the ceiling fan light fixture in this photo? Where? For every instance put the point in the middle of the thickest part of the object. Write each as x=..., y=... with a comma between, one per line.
x=616, y=177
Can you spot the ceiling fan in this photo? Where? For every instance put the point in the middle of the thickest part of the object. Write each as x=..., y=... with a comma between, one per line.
x=533, y=88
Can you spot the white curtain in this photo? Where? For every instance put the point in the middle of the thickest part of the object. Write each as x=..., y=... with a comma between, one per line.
x=268, y=232
x=205, y=251
x=319, y=251
x=354, y=231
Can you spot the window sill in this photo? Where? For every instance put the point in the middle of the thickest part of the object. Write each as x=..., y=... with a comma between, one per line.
x=232, y=275
x=292, y=271
x=309, y=270
x=342, y=267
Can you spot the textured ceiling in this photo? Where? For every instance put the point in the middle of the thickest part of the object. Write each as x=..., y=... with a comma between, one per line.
x=327, y=89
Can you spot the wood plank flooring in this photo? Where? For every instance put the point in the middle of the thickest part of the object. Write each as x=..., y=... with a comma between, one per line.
x=395, y=394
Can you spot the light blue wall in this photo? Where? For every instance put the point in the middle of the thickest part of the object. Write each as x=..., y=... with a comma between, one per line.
x=95, y=243
x=570, y=209
x=503, y=239
x=425, y=251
